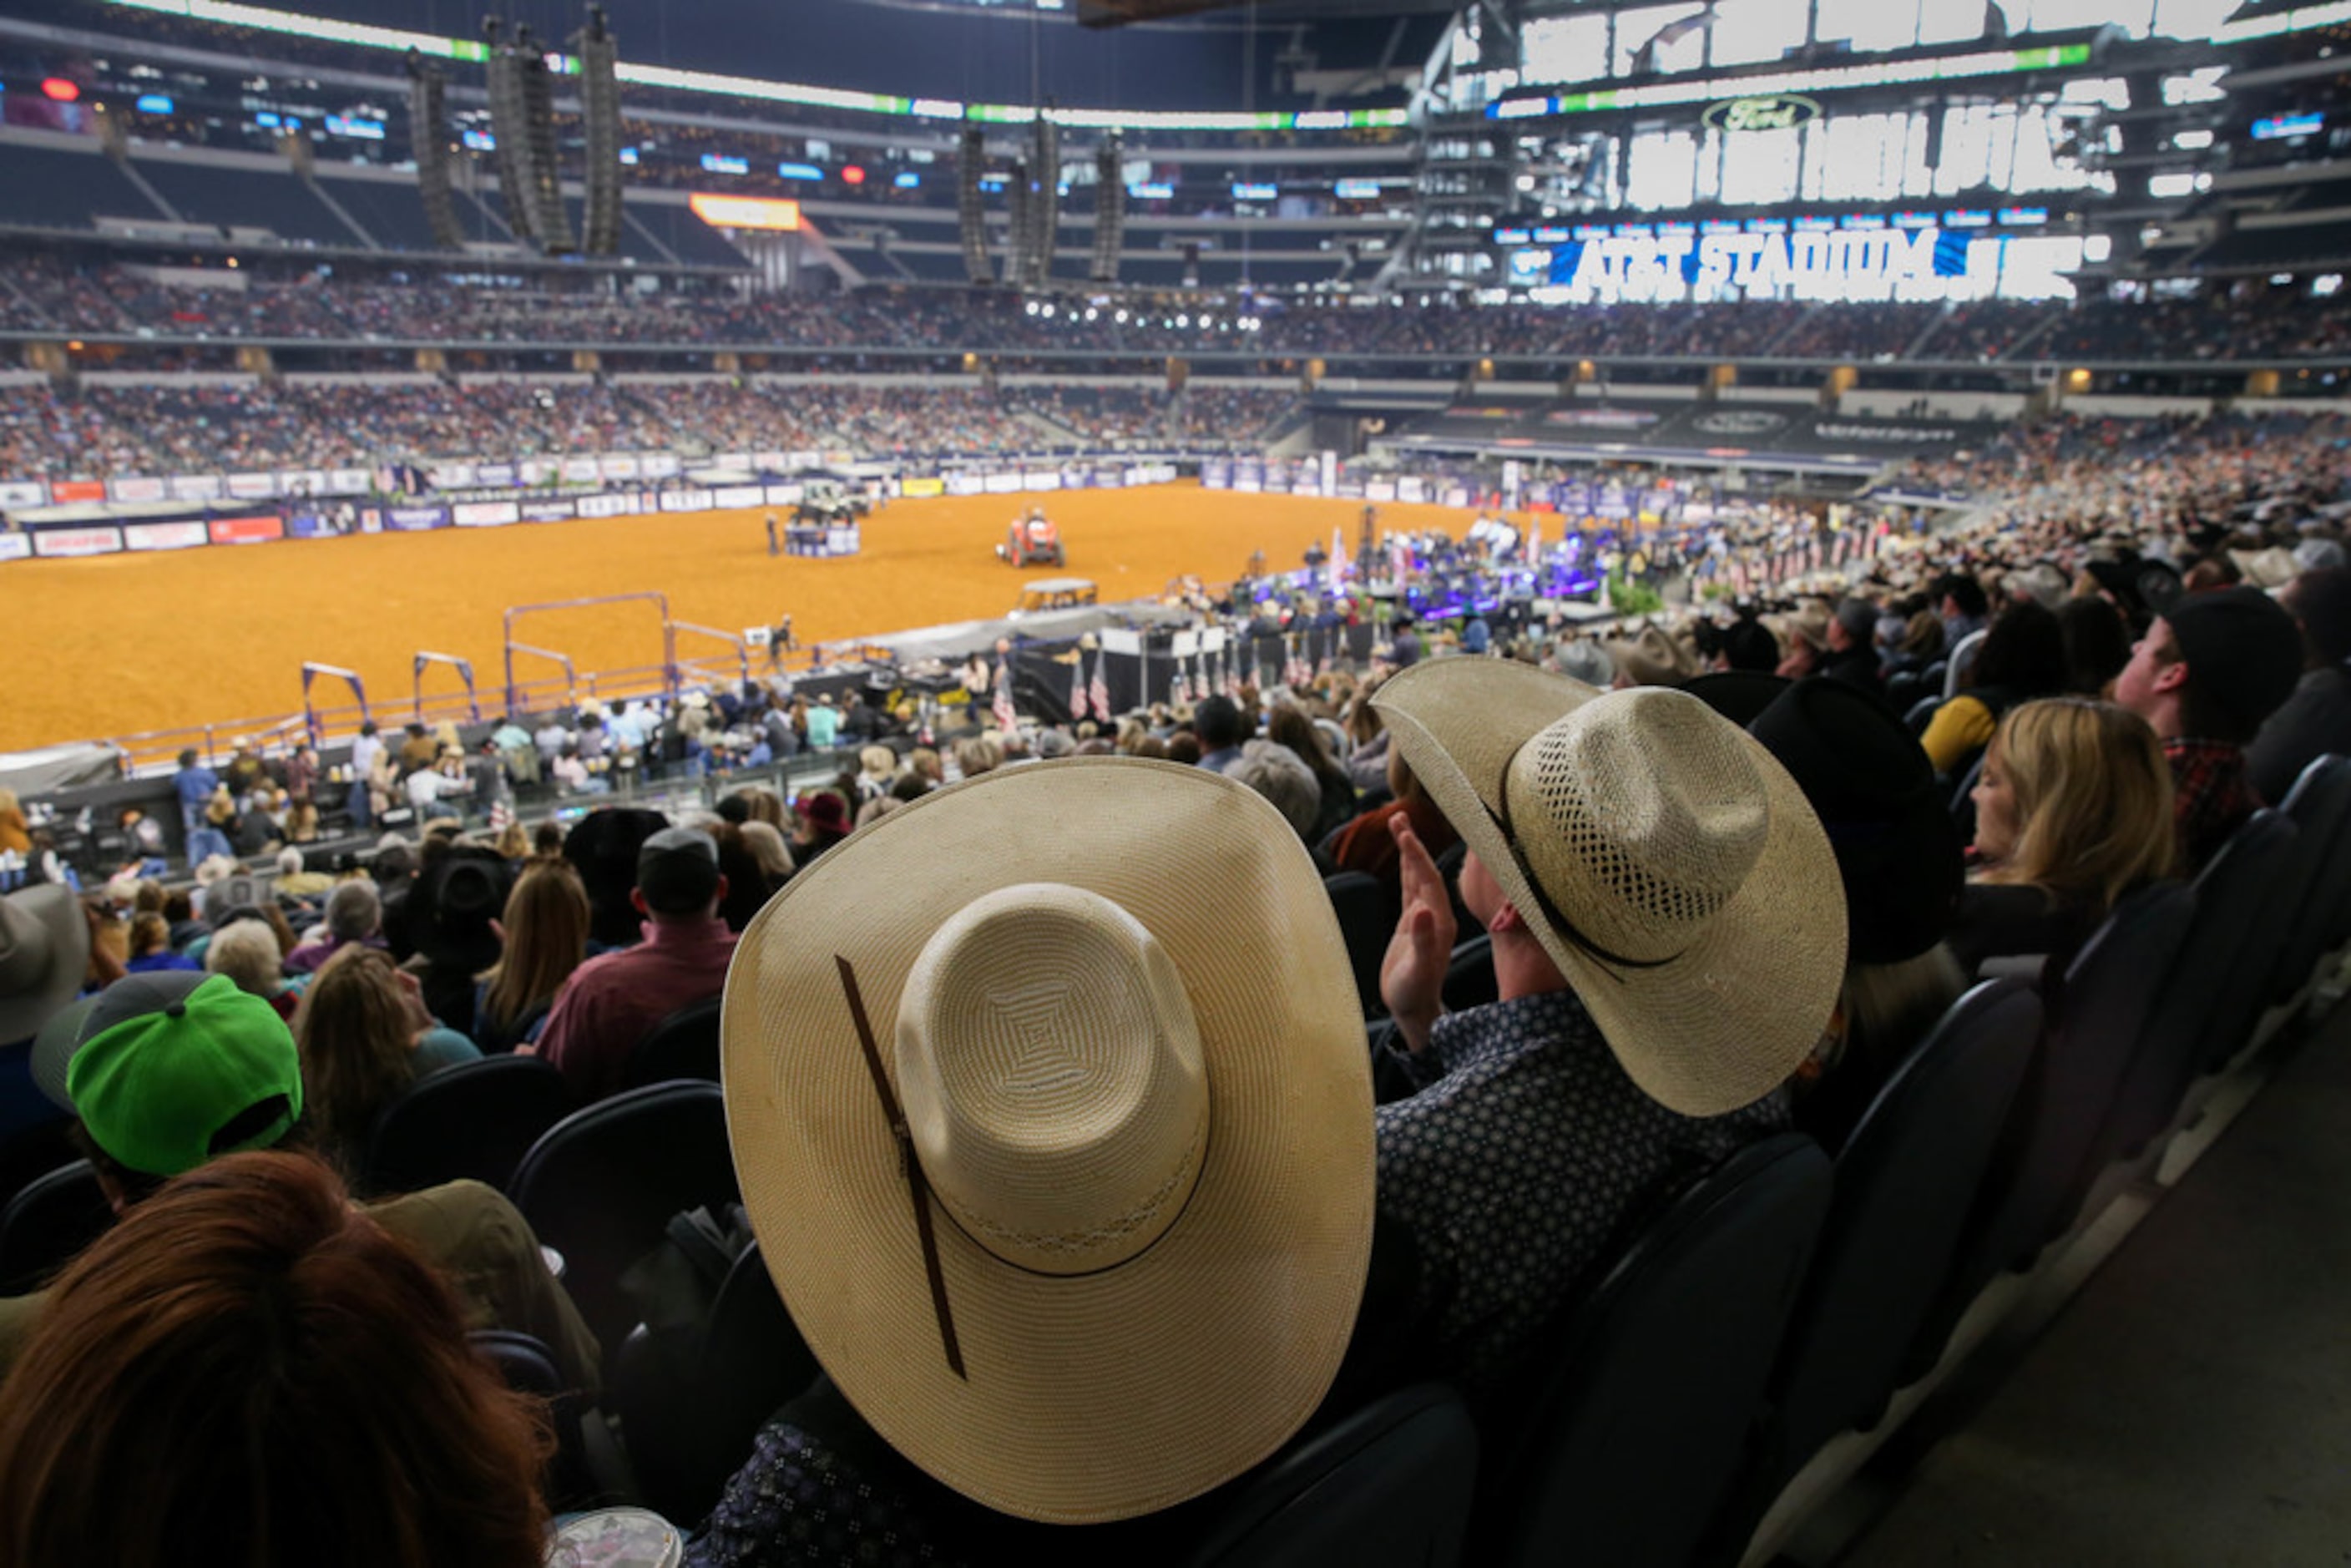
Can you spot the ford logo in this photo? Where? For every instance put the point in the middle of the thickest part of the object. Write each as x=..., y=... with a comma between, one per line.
x=1781, y=111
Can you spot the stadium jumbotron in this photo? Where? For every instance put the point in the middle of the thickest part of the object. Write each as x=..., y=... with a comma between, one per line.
x=676, y=442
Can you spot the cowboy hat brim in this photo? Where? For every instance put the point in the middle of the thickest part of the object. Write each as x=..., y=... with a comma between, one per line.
x=1730, y=1017
x=57, y=909
x=1115, y=1394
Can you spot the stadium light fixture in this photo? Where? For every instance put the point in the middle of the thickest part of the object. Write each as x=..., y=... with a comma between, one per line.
x=60, y=90
x=769, y=212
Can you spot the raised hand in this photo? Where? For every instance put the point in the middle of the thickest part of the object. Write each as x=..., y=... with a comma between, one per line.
x=1412, y=975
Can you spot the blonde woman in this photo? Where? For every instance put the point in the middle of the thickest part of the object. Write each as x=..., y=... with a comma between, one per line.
x=545, y=929
x=2072, y=811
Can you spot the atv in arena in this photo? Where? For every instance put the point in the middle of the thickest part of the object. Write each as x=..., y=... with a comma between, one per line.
x=1032, y=540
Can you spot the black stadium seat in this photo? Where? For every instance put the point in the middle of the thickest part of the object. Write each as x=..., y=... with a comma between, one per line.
x=1640, y=1426
x=600, y=1187
x=47, y=1223
x=474, y=1120
x=2320, y=805
x=683, y=1045
x=1367, y=920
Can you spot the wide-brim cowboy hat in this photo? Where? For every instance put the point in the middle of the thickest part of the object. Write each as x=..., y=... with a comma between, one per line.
x=1069, y=1393
x=44, y=955
x=1666, y=828
x=450, y=906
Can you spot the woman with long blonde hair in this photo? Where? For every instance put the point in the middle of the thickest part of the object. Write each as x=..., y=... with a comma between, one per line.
x=2072, y=811
x=546, y=927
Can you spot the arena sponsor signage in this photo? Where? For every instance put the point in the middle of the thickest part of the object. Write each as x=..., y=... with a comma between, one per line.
x=136, y=490
x=165, y=536
x=786, y=494
x=453, y=477
x=253, y=530
x=76, y=541
x=21, y=493
x=1922, y=264
x=1603, y=418
x=618, y=467
x=1041, y=479
x=963, y=483
x=196, y=486
x=1743, y=422
x=686, y=500
x=660, y=465
x=310, y=525
x=253, y=487
x=536, y=473
x=14, y=546
x=1412, y=488
x=1770, y=111
x=1306, y=484
x=581, y=470
x=347, y=482
x=739, y=495
x=1379, y=491
x=1000, y=484
x=919, y=489
x=302, y=482
x=484, y=514
x=489, y=476
x=549, y=511
x=1839, y=432
x=611, y=505
x=415, y=520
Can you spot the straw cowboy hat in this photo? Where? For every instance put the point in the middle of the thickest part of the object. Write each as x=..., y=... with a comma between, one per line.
x=43, y=952
x=1052, y=1109
x=1651, y=658
x=1667, y=862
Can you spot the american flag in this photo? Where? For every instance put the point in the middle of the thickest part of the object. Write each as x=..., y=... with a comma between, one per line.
x=1078, y=687
x=1181, y=689
x=1006, y=720
x=1100, y=690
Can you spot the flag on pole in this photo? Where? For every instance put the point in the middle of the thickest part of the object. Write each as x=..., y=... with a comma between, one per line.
x=1100, y=689
x=1180, y=689
x=1077, y=687
x=1006, y=719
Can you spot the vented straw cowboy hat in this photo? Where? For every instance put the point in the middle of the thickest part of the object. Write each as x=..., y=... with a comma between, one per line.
x=1667, y=862
x=1051, y=1102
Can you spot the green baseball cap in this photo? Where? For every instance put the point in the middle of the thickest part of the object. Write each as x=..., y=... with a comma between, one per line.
x=168, y=1070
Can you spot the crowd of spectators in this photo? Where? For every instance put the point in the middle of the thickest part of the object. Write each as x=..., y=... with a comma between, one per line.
x=2149, y=625
x=274, y=301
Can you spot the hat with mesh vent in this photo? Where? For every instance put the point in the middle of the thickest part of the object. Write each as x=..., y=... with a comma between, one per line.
x=1065, y=1168
x=1668, y=864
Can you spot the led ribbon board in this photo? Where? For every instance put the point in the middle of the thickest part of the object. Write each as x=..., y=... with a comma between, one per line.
x=1793, y=84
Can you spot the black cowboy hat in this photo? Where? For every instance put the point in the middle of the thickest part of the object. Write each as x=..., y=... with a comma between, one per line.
x=452, y=903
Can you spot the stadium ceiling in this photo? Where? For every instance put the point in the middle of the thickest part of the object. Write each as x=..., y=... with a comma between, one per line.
x=1122, y=13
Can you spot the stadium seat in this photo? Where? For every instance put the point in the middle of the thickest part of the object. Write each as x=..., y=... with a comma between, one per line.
x=1640, y=1428
x=1905, y=1181
x=1388, y=1487
x=2109, y=991
x=2229, y=896
x=1367, y=920
x=689, y=1434
x=474, y=1120
x=600, y=1187
x=2320, y=805
x=48, y=1223
x=1916, y=715
x=525, y=1364
x=683, y=1045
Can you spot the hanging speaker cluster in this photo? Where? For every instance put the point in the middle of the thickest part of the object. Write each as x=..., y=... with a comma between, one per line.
x=1044, y=212
x=1110, y=211
x=971, y=211
x=428, y=137
x=600, y=105
x=522, y=119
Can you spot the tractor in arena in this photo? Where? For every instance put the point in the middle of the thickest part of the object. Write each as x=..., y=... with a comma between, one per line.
x=1032, y=540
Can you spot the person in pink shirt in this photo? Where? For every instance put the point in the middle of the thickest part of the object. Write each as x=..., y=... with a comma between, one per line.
x=612, y=1001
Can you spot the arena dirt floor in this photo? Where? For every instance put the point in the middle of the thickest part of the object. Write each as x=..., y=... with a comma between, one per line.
x=117, y=645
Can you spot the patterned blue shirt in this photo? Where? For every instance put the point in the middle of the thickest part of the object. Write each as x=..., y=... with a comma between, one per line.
x=1519, y=1165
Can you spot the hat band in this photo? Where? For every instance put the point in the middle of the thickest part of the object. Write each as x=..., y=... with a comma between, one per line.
x=913, y=1168
x=1552, y=912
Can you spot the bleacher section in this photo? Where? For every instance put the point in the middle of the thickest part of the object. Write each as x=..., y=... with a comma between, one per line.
x=54, y=188
x=245, y=198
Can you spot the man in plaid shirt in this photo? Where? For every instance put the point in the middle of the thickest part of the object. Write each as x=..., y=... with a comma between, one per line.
x=2205, y=675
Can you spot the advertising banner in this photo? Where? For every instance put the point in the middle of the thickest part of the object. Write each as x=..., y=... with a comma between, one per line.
x=65, y=492
x=484, y=514
x=415, y=520
x=250, y=530
x=164, y=535
x=660, y=465
x=786, y=494
x=15, y=546
x=580, y=470
x=1000, y=484
x=538, y=473
x=489, y=475
x=1411, y=488
x=963, y=483
x=345, y=482
x=1379, y=491
x=135, y=491
x=196, y=487
x=685, y=501
x=921, y=487
x=453, y=477
x=555, y=511
x=618, y=467
x=739, y=495
x=302, y=482
x=76, y=541
x=253, y=487
x=1041, y=479
x=1215, y=476
x=614, y=506
x=19, y=493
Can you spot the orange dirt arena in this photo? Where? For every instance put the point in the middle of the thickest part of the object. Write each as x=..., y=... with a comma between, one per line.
x=115, y=645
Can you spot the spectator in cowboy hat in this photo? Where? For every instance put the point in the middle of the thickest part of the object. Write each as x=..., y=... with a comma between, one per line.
x=602, y=847
x=1065, y=1172
x=1650, y=658
x=453, y=919
x=46, y=947
x=1669, y=936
